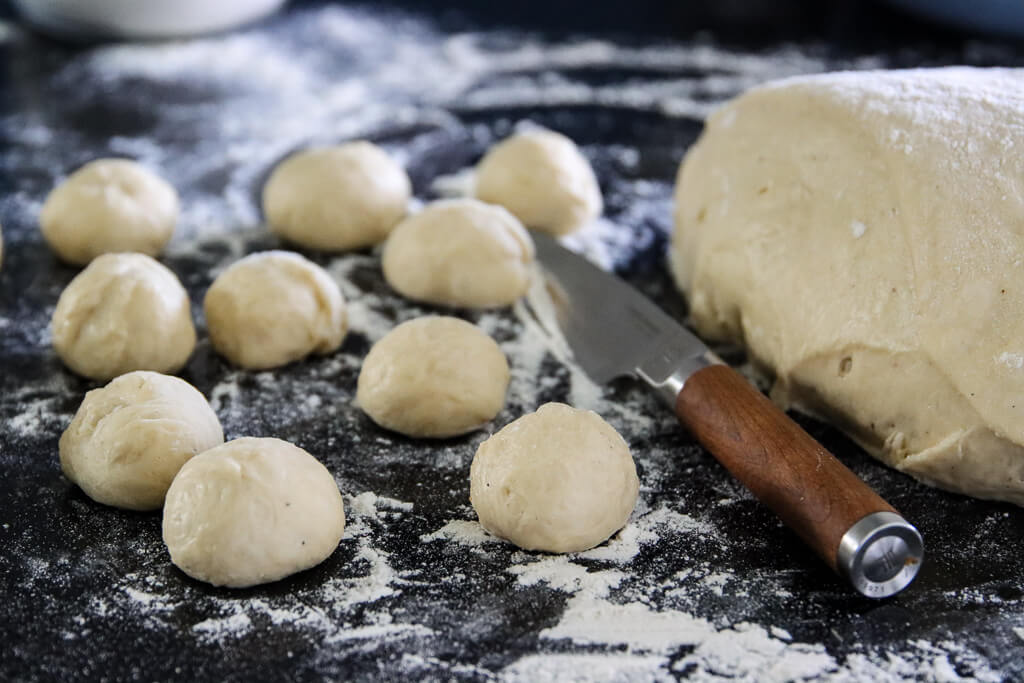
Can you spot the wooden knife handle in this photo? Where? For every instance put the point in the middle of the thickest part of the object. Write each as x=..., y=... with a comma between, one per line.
x=790, y=472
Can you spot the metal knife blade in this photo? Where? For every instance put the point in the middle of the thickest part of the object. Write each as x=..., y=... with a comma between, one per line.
x=613, y=330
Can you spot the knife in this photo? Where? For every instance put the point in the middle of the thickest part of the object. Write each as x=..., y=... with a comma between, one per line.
x=613, y=330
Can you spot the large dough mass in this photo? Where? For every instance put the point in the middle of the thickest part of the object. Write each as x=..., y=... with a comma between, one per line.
x=862, y=234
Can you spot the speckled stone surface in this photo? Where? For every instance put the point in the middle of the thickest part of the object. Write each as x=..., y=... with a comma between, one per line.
x=704, y=583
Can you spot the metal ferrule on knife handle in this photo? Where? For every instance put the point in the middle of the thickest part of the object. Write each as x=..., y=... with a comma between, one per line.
x=670, y=381
x=854, y=530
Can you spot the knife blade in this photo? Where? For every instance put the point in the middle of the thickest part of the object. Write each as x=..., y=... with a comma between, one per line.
x=612, y=330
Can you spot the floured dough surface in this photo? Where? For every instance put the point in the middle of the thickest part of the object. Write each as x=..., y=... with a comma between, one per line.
x=541, y=177
x=434, y=376
x=274, y=307
x=559, y=479
x=460, y=252
x=251, y=511
x=334, y=198
x=129, y=438
x=109, y=206
x=861, y=234
x=123, y=312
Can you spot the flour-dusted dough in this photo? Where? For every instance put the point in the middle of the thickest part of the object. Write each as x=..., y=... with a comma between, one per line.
x=123, y=312
x=541, y=177
x=129, y=438
x=460, y=252
x=861, y=234
x=335, y=198
x=433, y=376
x=560, y=480
x=252, y=511
x=108, y=206
x=272, y=308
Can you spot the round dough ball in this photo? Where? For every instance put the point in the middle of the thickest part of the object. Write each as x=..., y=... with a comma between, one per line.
x=433, y=376
x=861, y=234
x=560, y=480
x=460, y=252
x=541, y=177
x=129, y=438
x=252, y=511
x=123, y=312
x=109, y=206
x=335, y=198
x=272, y=308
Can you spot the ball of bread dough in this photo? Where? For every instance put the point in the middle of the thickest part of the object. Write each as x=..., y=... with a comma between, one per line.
x=252, y=511
x=861, y=233
x=335, y=198
x=123, y=312
x=560, y=480
x=272, y=308
x=541, y=177
x=129, y=438
x=460, y=252
x=109, y=206
x=433, y=376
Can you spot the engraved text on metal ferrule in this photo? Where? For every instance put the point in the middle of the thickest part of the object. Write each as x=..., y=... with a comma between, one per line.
x=880, y=554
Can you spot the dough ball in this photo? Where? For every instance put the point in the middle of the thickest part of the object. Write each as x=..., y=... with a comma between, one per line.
x=252, y=511
x=123, y=312
x=541, y=177
x=560, y=480
x=129, y=439
x=433, y=376
x=108, y=206
x=460, y=253
x=335, y=198
x=272, y=308
x=861, y=234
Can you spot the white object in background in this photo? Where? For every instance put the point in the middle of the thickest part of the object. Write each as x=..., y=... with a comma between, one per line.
x=141, y=18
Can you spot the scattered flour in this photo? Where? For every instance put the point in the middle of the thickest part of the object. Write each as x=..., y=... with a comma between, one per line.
x=556, y=668
x=606, y=609
x=366, y=504
x=224, y=627
x=462, y=532
x=150, y=601
x=744, y=651
x=324, y=611
x=1014, y=361
x=561, y=573
x=611, y=604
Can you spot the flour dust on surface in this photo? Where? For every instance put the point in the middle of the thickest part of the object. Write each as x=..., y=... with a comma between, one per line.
x=694, y=586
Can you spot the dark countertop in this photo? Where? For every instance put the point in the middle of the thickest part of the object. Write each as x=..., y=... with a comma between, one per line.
x=704, y=583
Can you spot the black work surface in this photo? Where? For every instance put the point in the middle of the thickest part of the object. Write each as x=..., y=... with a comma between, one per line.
x=704, y=583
